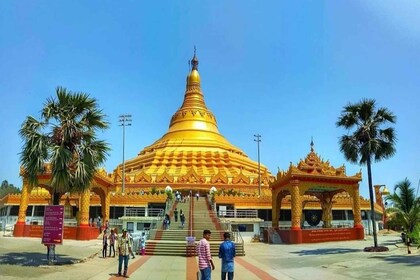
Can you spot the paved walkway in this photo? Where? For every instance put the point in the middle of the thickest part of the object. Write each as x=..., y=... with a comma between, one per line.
x=23, y=258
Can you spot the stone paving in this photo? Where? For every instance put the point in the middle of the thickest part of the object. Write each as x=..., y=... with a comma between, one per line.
x=25, y=258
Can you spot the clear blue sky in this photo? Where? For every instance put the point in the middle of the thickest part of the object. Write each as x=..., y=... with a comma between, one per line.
x=283, y=69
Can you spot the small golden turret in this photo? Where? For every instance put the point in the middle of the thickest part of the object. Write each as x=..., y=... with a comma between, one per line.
x=194, y=77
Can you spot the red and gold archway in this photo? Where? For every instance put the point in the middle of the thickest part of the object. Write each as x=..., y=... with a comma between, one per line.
x=313, y=179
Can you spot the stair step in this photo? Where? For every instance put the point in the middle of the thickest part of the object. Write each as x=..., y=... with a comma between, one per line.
x=172, y=242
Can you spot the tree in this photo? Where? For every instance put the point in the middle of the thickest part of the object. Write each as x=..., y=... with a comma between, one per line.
x=405, y=205
x=64, y=142
x=7, y=188
x=4, y=184
x=369, y=140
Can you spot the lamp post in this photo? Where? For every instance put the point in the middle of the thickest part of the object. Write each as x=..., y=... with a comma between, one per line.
x=125, y=120
x=373, y=211
x=258, y=140
x=385, y=191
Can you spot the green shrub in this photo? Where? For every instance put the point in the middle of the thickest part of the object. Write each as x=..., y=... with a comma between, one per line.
x=415, y=234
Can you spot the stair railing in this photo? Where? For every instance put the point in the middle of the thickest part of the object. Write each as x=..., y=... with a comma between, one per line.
x=225, y=223
x=154, y=224
x=169, y=203
x=190, y=217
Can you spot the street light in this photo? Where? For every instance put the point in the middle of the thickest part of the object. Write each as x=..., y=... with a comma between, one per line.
x=373, y=218
x=258, y=140
x=125, y=120
x=384, y=191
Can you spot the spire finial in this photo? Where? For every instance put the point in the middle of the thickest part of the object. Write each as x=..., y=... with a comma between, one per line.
x=194, y=61
x=312, y=144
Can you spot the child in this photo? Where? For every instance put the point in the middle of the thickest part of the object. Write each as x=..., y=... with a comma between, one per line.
x=143, y=244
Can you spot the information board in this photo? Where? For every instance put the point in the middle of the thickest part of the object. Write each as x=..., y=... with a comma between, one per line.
x=190, y=240
x=53, y=225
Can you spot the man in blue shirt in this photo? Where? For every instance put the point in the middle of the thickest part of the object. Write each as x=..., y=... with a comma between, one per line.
x=227, y=252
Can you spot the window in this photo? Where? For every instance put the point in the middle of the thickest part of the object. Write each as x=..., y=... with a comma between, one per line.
x=350, y=214
x=265, y=214
x=29, y=211
x=39, y=211
x=95, y=211
x=285, y=215
x=116, y=212
x=130, y=227
x=339, y=215
x=243, y=227
x=14, y=211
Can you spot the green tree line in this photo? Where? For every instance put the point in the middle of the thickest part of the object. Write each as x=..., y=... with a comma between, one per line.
x=7, y=188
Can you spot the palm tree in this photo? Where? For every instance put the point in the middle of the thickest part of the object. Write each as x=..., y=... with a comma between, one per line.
x=369, y=141
x=64, y=142
x=405, y=205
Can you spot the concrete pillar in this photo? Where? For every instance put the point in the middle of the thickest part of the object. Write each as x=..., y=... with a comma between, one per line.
x=296, y=206
x=106, y=206
x=275, y=210
x=357, y=215
x=23, y=206
x=83, y=229
x=296, y=231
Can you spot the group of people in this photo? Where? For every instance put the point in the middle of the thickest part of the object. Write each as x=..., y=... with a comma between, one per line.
x=179, y=197
x=108, y=239
x=166, y=222
x=98, y=223
x=125, y=247
x=181, y=217
x=167, y=219
x=227, y=253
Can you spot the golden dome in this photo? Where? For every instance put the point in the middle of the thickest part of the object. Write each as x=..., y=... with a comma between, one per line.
x=193, y=77
x=193, y=146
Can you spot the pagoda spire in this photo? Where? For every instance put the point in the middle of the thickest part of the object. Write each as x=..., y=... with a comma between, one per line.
x=194, y=97
x=194, y=61
x=312, y=144
x=193, y=114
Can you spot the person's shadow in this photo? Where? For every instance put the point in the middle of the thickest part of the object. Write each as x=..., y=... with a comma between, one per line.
x=34, y=259
x=115, y=275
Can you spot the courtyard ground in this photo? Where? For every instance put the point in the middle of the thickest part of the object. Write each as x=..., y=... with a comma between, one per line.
x=25, y=258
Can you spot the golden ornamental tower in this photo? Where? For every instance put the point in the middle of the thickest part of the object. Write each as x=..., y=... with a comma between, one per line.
x=193, y=154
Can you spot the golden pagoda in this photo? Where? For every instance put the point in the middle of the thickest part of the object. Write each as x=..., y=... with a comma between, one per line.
x=192, y=154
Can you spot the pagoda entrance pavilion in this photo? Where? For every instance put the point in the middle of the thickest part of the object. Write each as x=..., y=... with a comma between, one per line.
x=315, y=183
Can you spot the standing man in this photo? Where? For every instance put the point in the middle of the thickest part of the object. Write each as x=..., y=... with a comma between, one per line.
x=124, y=249
x=227, y=252
x=182, y=218
x=132, y=245
x=111, y=243
x=205, y=262
x=99, y=224
x=104, y=244
x=107, y=226
x=176, y=215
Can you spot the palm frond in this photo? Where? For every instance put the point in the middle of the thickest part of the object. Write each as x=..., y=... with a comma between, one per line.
x=65, y=138
x=405, y=204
